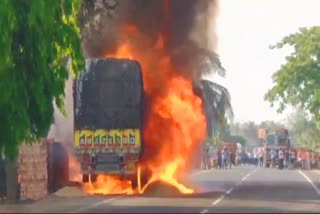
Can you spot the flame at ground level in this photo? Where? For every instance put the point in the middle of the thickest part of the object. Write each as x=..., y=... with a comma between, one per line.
x=108, y=184
x=111, y=184
x=168, y=177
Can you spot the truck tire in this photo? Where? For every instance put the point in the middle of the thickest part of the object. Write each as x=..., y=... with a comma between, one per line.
x=85, y=178
x=134, y=182
x=145, y=176
x=93, y=178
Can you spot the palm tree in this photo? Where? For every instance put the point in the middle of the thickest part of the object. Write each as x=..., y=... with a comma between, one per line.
x=216, y=98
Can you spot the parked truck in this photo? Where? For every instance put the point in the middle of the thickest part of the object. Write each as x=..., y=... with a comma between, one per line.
x=108, y=118
x=275, y=140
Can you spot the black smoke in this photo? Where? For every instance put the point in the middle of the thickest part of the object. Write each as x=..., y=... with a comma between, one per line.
x=184, y=22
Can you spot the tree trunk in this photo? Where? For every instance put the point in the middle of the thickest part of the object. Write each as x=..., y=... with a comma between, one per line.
x=12, y=180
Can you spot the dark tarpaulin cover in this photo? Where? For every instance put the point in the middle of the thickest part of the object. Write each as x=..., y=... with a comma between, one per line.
x=109, y=95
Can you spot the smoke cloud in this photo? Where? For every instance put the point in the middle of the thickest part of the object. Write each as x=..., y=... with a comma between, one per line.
x=188, y=26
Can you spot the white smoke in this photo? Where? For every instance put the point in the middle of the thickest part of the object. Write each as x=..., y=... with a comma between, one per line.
x=62, y=129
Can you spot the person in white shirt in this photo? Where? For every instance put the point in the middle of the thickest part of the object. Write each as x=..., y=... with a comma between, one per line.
x=225, y=158
x=292, y=158
x=273, y=155
x=281, y=159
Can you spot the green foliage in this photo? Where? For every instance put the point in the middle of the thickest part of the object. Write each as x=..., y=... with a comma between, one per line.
x=248, y=130
x=297, y=81
x=304, y=131
x=236, y=138
x=270, y=125
x=37, y=38
x=240, y=139
x=218, y=108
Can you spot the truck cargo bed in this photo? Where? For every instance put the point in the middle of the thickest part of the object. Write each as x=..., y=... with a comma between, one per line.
x=109, y=95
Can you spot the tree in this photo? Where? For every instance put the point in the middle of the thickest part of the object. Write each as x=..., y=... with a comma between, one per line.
x=303, y=130
x=218, y=107
x=297, y=81
x=37, y=39
x=240, y=139
x=250, y=132
x=270, y=124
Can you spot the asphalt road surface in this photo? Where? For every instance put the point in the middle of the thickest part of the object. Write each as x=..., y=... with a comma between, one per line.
x=241, y=189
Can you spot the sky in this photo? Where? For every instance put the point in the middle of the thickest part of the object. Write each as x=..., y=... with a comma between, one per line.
x=246, y=29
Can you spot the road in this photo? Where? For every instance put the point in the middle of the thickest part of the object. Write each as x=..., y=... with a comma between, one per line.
x=242, y=189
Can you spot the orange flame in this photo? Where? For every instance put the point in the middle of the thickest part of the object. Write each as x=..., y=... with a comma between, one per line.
x=107, y=184
x=175, y=124
x=74, y=168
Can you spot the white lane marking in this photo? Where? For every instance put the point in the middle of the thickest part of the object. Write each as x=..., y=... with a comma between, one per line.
x=218, y=200
x=230, y=190
x=310, y=182
x=204, y=211
x=97, y=204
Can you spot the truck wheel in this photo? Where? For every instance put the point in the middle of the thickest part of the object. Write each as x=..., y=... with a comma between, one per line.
x=145, y=178
x=134, y=182
x=85, y=178
x=93, y=178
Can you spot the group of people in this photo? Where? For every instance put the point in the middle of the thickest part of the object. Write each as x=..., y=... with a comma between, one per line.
x=221, y=159
x=225, y=158
x=284, y=157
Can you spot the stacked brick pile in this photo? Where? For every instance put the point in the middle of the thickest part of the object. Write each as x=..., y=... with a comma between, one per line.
x=33, y=174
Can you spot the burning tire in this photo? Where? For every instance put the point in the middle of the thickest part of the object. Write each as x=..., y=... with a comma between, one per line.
x=89, y=178
x=85, y=178
x=134, y=182
x=93, y=178
x=144, y=177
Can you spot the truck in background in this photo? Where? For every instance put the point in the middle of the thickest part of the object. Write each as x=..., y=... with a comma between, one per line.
x=275, y=139
x=108, y=118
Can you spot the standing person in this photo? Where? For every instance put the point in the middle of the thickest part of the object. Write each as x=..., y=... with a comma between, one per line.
x=292, y=158
x=260, y=159
x=231, y=159
x=219, y=159
x=281, y=158
x=287, y=158
x=308, y=161
x=303, y=159
x=225, y=158
x=254, y=157
x=237, y=159
x=273, y=155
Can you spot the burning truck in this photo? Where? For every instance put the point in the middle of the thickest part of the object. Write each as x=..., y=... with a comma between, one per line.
x=172, y=55
x=108, y=119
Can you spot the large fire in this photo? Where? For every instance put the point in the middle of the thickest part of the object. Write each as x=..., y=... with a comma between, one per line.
x=175, y=123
